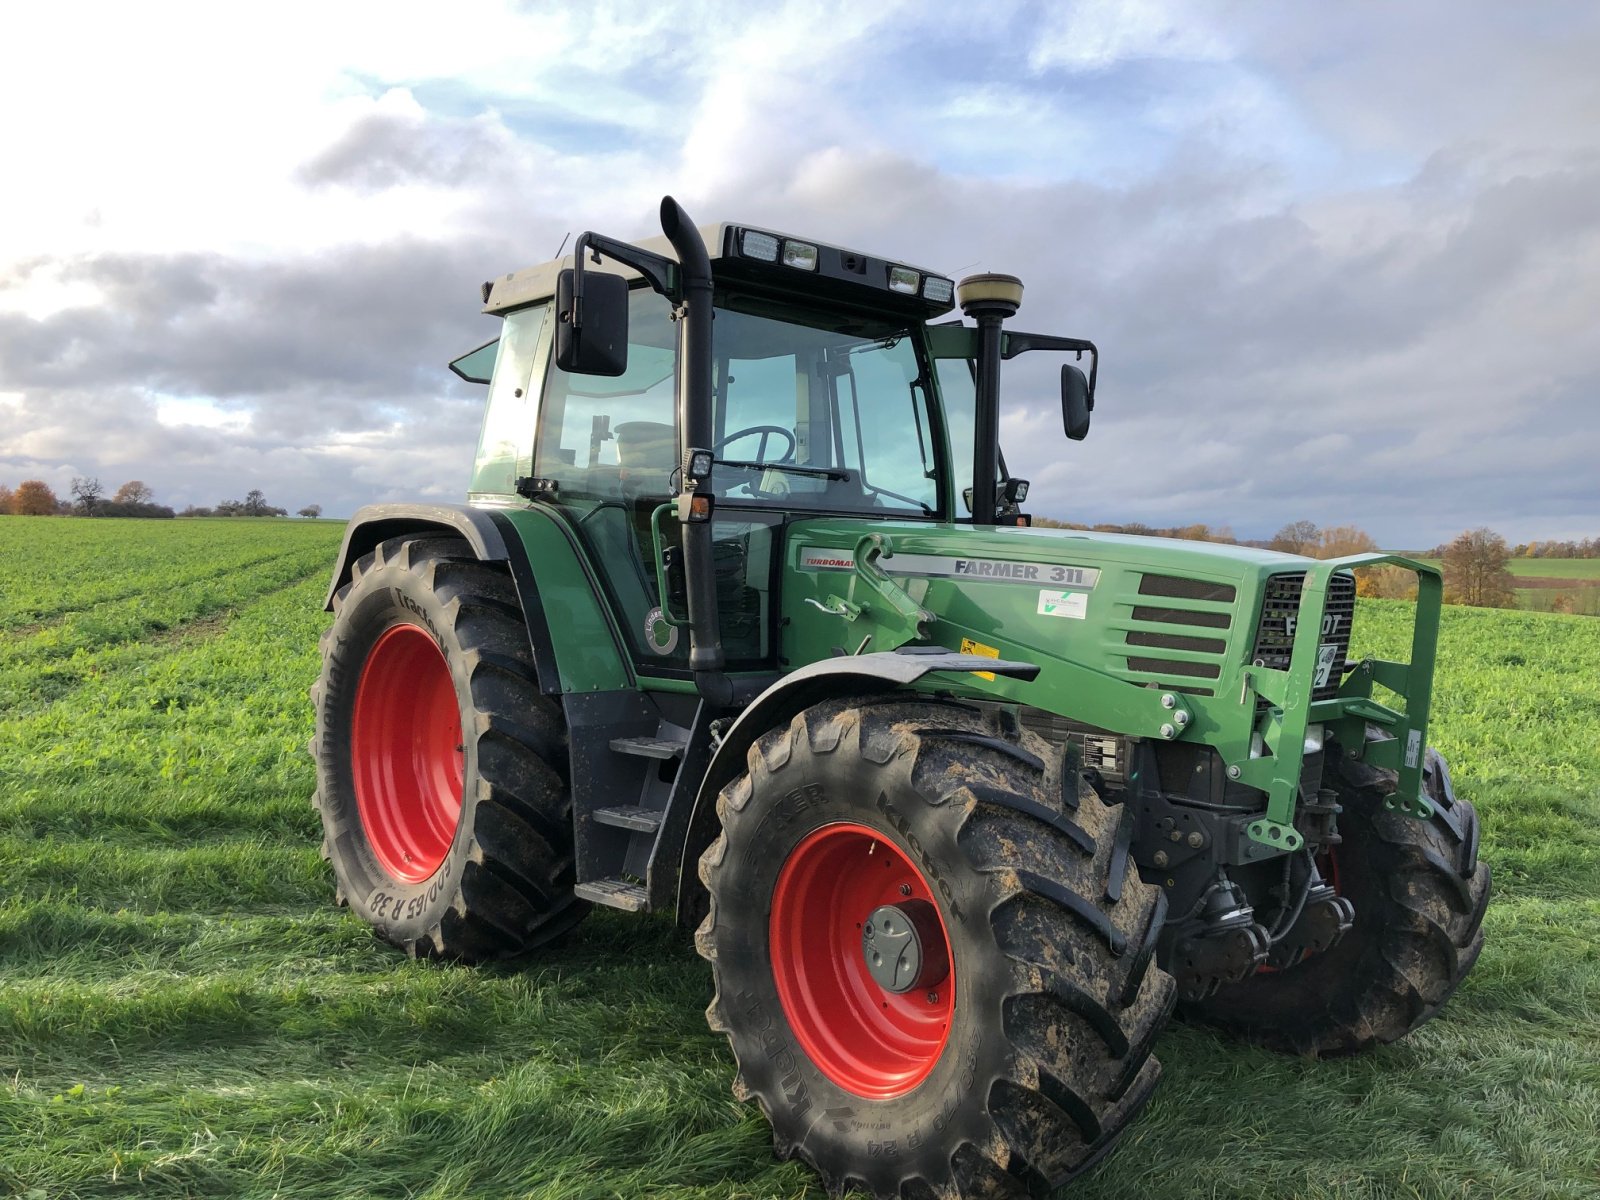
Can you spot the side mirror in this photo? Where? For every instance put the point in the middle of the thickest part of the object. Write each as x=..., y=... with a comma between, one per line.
x=1075, y=404
x=598, y=345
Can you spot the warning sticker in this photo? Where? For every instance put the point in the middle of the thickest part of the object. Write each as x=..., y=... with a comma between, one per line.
x=968, y=646
x=1413, y=747
x=1063, y=604
x=1327, y=659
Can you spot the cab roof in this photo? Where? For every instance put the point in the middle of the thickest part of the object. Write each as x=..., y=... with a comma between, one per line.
x=841, y=272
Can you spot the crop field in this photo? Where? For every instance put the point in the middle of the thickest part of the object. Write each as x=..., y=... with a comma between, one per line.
x=1562, y=585
x=183, y=1011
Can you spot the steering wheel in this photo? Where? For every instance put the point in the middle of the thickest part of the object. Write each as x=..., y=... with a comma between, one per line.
x=765, y=432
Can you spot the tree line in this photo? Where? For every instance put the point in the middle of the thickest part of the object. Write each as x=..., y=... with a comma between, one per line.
x=35, y=498
x=1473, y=563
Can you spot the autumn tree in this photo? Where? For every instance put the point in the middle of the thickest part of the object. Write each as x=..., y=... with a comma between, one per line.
x=135, y=491
x=33, y=498
x=7, y=495
x=1338, y=540
x=1475, y=570
x=1297, y=537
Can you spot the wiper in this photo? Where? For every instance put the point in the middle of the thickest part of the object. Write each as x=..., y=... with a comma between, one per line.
x=833, y=473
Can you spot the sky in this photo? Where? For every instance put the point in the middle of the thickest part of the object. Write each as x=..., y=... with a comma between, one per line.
x=1342, y=261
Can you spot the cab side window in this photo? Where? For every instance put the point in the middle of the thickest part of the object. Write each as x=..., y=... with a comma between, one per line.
x=505, y=444
x=613, y=438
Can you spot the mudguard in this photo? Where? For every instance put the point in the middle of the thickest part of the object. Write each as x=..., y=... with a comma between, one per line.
x=492, y=538
x=829, y=678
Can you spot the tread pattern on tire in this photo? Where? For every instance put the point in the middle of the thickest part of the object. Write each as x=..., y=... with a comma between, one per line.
x=514, y=891
x=1081, y=1014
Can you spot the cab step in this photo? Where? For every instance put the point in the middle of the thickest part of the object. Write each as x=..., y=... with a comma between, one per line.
x=615, y=893
x=663, y=748
x=630, y=816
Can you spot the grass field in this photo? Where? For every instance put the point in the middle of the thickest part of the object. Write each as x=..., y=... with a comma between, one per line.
x=184, y=1013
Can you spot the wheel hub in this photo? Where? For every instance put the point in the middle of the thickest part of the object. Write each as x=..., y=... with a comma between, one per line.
x=406, y=753
x=875, y=1028
x=903, y=946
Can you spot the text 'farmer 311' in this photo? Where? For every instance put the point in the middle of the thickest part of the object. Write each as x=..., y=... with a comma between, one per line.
x=742, y=619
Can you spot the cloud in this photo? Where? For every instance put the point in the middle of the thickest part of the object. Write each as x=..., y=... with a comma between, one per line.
x=1332, y=277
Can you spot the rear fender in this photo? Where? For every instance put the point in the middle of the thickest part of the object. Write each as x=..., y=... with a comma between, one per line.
x=492, y=538
x=861, y=674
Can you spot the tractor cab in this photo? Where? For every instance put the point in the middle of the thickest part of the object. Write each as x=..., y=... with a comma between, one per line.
x=827, y=391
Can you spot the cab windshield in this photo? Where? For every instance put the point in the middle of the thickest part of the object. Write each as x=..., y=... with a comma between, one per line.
x=821, y=411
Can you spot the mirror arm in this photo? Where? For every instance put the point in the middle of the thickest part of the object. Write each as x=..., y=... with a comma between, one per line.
x=1021, y=343
x=661, y=273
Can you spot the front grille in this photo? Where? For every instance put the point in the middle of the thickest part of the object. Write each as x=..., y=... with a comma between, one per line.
x=1197, y=631
x=1275, y=630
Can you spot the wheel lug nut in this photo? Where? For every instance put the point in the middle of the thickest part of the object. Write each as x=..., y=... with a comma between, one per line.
x=933, y=997
x=905, y=889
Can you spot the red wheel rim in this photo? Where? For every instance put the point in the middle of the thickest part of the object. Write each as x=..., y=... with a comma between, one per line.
x=406, y=753
x=872, y=1042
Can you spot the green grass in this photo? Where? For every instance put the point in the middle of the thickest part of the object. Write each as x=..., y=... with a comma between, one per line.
x=1547, y=568
x=1556, y=568
x=184, y=1013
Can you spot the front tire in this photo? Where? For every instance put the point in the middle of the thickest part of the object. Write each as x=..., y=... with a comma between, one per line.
x=1007, y=1068
x=441, y=769
x=1420, y=894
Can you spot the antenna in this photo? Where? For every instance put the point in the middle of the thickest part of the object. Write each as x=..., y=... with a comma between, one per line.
x=563, y=245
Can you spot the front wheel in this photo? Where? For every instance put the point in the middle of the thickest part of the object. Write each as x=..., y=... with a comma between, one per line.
x=440, y=767
x=932, y=960
x=1419, y=893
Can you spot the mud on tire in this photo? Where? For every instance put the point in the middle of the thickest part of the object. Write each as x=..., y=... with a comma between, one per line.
x=1420, y=894
x=1051, y=937
x=501, y=880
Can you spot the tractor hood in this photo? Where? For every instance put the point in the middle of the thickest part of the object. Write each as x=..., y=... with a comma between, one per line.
x=1153, y=612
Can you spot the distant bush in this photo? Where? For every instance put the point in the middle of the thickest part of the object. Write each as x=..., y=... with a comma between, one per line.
x=128, y=508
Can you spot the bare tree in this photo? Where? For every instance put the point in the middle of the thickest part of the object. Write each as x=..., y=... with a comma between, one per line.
x=135, y=491
x=311, y=510
x=7, y=495
x=87, y=491
x=1297, y=537
x=1475, y=570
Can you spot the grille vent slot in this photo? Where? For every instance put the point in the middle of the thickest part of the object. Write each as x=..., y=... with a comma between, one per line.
x=1191, y=670
x=1179, y=588
x=1182, y=616
x=1177, y=641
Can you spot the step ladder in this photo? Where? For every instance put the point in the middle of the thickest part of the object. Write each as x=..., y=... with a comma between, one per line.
x=618, y=847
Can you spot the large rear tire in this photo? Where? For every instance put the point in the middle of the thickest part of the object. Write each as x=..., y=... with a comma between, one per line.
x=1022, y=1049
x=1420, y=894
x=441, y=769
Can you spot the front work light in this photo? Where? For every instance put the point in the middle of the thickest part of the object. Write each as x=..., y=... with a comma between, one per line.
x=801, y=255
x=938, y=290
x=700, y=462
x=755, y=244
x=904, y=279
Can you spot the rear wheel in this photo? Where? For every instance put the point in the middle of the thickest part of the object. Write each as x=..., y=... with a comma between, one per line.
x=932, y=960
x=1419, y=893
x=441, y=768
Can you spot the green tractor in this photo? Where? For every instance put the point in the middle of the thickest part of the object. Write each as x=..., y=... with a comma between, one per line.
x=743, y=621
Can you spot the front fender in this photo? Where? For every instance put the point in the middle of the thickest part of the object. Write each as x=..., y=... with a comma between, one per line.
x=859, y=674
